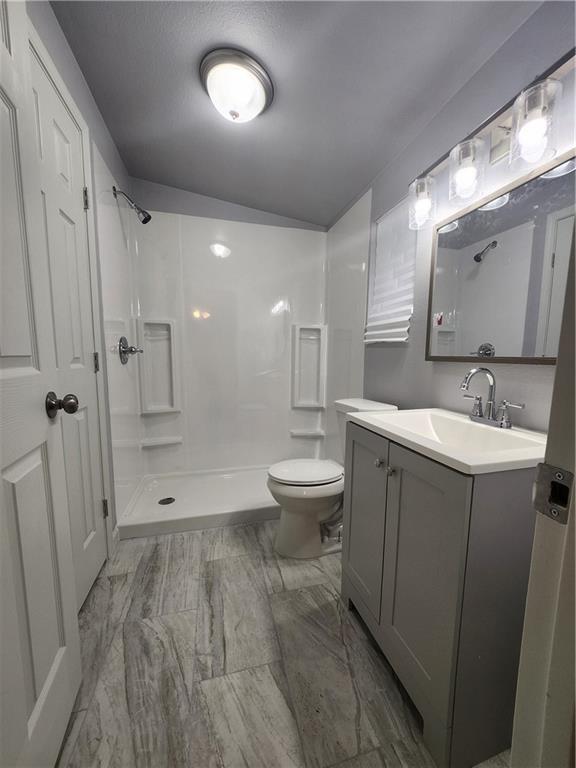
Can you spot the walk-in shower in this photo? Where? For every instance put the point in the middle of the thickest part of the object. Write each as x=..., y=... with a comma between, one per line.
x=202, y=412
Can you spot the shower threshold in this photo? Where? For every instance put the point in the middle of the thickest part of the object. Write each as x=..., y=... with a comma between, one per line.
x=189, y=501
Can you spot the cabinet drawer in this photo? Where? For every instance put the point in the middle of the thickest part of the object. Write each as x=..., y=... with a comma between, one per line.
x=365, y=513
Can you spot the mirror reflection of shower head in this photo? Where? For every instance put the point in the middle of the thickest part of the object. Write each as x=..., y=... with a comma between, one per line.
x=143, y=215
x=480, y=256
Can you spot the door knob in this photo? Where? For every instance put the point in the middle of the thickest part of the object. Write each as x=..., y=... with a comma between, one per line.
x=69, y=404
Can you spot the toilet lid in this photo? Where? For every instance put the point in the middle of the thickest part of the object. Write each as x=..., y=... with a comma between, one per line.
x=306, y=472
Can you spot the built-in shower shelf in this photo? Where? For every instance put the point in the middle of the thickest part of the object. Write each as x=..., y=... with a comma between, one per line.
x=155, y=442
x=308, y=434
x=309, y=366
x=159, y=367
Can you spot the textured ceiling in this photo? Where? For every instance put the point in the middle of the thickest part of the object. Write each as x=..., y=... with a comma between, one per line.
x=354, y=81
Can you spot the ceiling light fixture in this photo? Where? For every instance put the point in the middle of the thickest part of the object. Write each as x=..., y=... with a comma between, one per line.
x=239, y=87
x=220, y=250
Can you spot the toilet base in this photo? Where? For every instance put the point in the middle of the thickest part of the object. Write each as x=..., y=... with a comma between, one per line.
x=299, y=537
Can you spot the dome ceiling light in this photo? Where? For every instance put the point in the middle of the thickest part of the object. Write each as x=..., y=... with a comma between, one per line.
x=238, y=86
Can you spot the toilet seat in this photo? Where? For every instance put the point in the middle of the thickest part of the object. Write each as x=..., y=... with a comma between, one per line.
x=306, y=472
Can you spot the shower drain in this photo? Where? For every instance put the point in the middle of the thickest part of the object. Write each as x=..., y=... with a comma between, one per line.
x=167, y=500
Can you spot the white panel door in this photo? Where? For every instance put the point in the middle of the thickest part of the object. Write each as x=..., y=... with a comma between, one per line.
x=60, y=187
x=39, y=645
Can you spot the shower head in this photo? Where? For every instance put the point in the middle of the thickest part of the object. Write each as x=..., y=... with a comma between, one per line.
x=480, y=256
x=143, y=215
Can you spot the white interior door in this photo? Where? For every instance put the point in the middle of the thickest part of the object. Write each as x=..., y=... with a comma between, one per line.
x=39, y=645
x=60, y=186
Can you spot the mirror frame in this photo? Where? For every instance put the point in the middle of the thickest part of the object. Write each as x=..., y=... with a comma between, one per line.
x=534, y=174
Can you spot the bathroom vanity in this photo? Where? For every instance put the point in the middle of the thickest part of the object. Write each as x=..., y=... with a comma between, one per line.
x=438, y=528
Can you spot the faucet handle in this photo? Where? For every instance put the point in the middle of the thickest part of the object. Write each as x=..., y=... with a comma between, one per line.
x=477, y=407
x=508, y=404
x=503, y=417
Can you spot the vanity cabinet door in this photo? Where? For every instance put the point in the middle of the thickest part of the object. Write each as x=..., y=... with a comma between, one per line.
x=427, y=520
x=365, y=513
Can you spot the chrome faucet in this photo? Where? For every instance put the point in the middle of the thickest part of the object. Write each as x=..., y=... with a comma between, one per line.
x=499, y=418
x=490, y=403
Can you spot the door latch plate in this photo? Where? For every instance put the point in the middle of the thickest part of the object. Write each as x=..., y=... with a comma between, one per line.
x=552, y=492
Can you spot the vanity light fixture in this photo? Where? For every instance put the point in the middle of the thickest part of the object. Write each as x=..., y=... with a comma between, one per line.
x=220, y=250
x=238, y=86
x=533, y=128
x=466, y=168
x=421, y=202
x=498, y=202
x=561, y=170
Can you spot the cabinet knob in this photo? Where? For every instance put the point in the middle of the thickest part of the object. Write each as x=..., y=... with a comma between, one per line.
x=378, y=463
x=390, y=471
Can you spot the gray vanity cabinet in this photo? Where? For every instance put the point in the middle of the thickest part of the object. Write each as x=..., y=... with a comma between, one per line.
x=436, y=562
x=365, y=500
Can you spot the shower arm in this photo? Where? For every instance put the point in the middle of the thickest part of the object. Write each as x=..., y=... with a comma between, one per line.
x=131, y=202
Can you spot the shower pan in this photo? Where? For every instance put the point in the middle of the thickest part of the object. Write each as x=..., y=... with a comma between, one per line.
x=190, y=501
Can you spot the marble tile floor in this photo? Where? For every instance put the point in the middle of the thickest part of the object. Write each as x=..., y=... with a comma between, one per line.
x=206, y=650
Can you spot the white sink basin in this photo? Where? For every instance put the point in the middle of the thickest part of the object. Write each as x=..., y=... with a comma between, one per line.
x=453, y=439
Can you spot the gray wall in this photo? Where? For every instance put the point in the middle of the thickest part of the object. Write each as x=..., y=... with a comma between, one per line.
x=400, y=374
x=157, y=197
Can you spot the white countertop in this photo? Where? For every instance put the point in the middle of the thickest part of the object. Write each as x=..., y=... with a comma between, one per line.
x=455, y=440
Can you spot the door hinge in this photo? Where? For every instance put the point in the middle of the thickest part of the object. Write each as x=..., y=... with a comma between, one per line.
x=104, y=508
x=553, y=260
x=85, y=198
x=96, y=362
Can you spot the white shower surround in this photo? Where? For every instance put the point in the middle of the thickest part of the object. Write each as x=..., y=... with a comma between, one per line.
x=233, y=321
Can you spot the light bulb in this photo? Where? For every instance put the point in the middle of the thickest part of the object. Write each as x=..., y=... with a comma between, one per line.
x=236, y=92
x=465, y=181
x=533, y=139
x=422, y=208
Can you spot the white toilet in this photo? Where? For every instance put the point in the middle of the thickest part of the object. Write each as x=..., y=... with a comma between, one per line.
x=310, y=491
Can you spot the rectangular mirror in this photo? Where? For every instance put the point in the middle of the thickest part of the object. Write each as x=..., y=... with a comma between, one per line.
x=499, y=273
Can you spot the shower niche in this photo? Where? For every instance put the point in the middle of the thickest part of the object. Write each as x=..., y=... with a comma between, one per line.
x=309, y=366
x=159, y=375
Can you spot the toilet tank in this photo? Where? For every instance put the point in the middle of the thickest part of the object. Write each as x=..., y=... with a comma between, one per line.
x=351, y=405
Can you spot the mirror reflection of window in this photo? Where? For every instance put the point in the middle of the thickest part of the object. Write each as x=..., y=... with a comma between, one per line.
x=501, y=270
